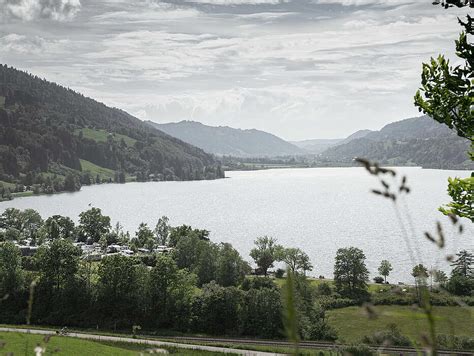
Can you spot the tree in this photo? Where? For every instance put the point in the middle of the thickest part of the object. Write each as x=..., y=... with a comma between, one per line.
x=144, y=237
x=58, y=226
x=11, y=274
x=71, y=183
x=350, y=273
x=58, y=263
x=171, y=291
x=230, y=269
x=463, y=264
x=296, y=260
x=162, y=231
x=265, y=253
x=120, y=289
x=217, y=309
x=440, y=277
x=93, y=224
x=261, y=312
x=450, y=3
x=385, y=268
x=446, y=96
x=460, y=285
x=27, y=222
x=420, y=273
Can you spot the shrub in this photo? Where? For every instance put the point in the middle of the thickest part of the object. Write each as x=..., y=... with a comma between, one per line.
x=378, y=280
x=390, y=336
x=461, y=285
x=279, y=273
x=455, y=342
x=331, y=302
x=257, y=283
x=357, y=350
x=323, y=289
x=390, y=298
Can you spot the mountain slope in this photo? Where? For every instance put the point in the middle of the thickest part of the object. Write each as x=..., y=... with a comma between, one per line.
x=46, y=130
x=417, y=141
x=356, y=135
x=224, y=140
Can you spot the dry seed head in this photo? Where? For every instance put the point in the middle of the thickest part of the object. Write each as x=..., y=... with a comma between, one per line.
x=454, y=219
x=429, y=237
x=370, y=311
x=426, y=341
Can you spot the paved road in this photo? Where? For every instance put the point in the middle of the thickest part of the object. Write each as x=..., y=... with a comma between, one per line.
x=145, y=342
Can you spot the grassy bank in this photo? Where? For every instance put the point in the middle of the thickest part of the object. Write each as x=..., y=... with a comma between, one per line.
x=352, y=323
x=24, y=344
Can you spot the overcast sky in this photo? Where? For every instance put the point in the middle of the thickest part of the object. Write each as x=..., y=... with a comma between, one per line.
x=297, y=68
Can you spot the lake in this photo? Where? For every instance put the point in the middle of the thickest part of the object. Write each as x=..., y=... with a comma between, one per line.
x=318, y=210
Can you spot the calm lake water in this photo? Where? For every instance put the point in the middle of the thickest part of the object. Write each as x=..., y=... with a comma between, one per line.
x=318, y=210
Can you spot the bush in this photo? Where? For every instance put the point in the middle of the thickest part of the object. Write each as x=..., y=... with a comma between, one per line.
x=455, y=342
x=323, y=289
x=378, y=280
x=257, y=283
x=390, y=336
x=461, y=285
x=279, y=273
x=390, y=298
x=357, y=350
x=331, y=302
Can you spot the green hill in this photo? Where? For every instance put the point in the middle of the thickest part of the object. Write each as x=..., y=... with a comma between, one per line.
x=46, y=130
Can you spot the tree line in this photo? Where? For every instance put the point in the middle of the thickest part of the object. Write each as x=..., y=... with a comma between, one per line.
x=194, y=285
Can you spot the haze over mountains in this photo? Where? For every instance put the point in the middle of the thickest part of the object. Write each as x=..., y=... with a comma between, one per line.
x=320, y=145
x=418, y=141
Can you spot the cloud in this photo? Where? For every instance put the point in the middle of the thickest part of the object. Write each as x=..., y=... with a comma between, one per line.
x=28, y=10
x=298, y=68
x=239, y=2
x=366, y=2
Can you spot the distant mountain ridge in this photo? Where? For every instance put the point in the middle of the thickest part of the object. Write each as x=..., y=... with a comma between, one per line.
x=419, y=141
x=224, y=140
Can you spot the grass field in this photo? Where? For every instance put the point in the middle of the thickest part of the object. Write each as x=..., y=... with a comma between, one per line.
x=7, y=185
x=352, y=324
x=102, y=135
x=24, y=344
x=94, y=170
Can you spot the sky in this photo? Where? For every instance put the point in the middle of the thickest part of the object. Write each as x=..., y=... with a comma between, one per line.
x=300, y=69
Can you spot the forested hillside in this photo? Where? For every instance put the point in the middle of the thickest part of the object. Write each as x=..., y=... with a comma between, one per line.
x=49, y=133
x=418, y=141
x=224, y=140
